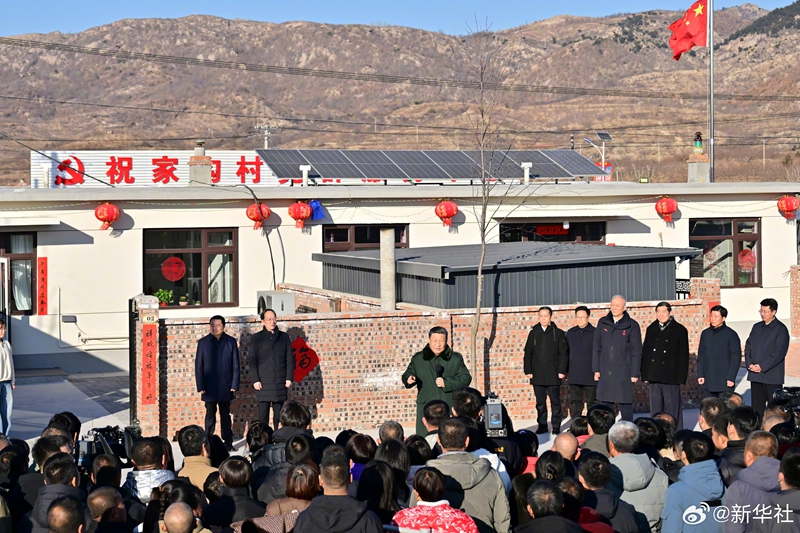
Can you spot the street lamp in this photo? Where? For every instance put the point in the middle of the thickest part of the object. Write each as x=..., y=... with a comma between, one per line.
x=603, y=136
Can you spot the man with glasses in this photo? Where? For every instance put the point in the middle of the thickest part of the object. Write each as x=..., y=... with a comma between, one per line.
x=271, y=363
x=765, y=356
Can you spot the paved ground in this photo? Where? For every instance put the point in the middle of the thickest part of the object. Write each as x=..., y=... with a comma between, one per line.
x=111, y=391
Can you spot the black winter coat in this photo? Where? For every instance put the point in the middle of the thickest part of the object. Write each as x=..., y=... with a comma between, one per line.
x=665, y=354
x=337, y=514
x=731, y=461
x=581, y=344
x=36, y=521
x=274, y=485
x=767, y=346
x=271, y=361
x=546, y=355
x=234, y=505
x=617, y=357
x=718, y=357
x=217, y=368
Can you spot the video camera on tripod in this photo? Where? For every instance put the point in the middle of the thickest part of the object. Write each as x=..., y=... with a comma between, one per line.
x=788, y=398
x=109, y=440
x=493, y=417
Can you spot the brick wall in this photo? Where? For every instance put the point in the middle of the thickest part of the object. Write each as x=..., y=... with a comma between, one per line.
x=794, y=297
x=311, y=300
x=363, y=354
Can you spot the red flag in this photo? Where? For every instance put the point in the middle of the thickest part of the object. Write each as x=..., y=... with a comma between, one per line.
x=690, y=30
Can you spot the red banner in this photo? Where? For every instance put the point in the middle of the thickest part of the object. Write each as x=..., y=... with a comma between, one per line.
x=149, y=362
x=551, y=229
x=41, y=276
x=305, y=359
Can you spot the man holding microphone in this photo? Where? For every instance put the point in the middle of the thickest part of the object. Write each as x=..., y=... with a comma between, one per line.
x=436, y=371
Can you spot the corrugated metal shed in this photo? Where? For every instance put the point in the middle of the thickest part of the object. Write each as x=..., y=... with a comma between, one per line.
x=515, y=274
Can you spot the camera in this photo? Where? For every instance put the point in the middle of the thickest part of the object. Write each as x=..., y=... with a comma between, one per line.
x=788, y=398
x=109, y=440
x=493, y=417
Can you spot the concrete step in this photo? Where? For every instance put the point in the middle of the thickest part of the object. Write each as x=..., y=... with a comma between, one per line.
x=26, y=376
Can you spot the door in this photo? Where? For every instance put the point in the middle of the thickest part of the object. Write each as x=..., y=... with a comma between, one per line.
x=4, y=314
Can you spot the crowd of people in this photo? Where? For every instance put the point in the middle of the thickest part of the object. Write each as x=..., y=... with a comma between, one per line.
x=601, y=475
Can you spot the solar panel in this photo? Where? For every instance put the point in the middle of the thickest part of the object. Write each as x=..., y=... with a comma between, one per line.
x=573, y=162
x=603, y=136
x=282, y=156
x=502, y=165
x=416, y=165
x=457, y=164
x=374, y=164
x=283, y=170
x=331, y=164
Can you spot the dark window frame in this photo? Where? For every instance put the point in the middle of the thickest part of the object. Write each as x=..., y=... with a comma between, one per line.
x=578, y=240
x=205, y=250
x=736, y=237
x=351, y=245
x=5, y=244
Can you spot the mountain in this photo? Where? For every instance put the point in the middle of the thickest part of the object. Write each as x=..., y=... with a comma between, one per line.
x=652, y=136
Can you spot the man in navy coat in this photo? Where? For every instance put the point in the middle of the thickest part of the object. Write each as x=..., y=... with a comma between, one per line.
x=765, y=356
x=217, y=375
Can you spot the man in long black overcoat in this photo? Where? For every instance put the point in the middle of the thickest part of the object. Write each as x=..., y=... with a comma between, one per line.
x=271, y=362
x=217, y=376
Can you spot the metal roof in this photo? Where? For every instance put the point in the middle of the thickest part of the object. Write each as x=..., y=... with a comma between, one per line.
x=437, y=262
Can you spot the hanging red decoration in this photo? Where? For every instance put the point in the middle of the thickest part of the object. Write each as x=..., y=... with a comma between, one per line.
x=300, y=212
x=788, y=205
x=747, y=260
x=255, y=216
x=446, y=211
x=107, y=214
x=665, y=207
x=173, y=269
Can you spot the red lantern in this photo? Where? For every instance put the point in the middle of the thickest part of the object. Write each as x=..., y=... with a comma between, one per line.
x=255, y=216
x=300, y=212
x=747, y=260
x=107, y=214
x=665, y=207
x=788, y=205
x=446, y=211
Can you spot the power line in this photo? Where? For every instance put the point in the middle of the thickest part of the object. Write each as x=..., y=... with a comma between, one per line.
x=384, y=78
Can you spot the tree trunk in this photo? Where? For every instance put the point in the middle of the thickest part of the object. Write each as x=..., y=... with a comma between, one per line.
x=476, y=319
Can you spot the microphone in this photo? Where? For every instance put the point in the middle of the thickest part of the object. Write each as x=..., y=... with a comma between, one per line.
x=439, y=370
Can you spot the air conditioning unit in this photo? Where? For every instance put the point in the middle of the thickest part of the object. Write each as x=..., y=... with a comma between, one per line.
x=279, y=301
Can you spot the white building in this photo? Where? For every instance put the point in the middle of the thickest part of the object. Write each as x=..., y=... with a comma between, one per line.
x=73, y=313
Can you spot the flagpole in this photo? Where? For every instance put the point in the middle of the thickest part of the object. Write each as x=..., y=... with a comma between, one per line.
x=710, y=38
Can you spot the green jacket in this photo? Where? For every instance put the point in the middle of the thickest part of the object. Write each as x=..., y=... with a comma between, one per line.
x=423, y=366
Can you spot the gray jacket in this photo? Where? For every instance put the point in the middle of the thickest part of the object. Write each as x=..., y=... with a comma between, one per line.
x=755, y=485
x=636, y=480
x=786, y=522
x=474, y=487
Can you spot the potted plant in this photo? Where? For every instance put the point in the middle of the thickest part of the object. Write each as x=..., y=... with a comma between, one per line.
x=164, y=297
x=184, y=301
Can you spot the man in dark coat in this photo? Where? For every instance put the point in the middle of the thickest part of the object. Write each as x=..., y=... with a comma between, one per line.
x=718, y=356
x=217, y=376
x=665, y=363
x=436, y=372
x=545, y=363
x=580, y=339
x=765, y=356
x=617, y=357
x=271, y=363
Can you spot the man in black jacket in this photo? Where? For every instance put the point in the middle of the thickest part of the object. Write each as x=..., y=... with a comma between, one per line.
x=765, y=356
x=295, y=420
x=718, y=356
x=61, y=479
x=580, y=339
x=299, y=449
x=742, y=421
x=270, y=359
x=665, y=363
x=45, y=448
x=594, y=473
x=545, y=503
x=335, y=511
x=235, y=504
x=545, y=364
x=617, y=357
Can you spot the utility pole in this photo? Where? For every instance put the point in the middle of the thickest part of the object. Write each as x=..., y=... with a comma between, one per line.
x=267, y=134
x=658, y=143
x=764, y=154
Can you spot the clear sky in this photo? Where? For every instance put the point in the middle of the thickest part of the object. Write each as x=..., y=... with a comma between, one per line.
x=450, y=16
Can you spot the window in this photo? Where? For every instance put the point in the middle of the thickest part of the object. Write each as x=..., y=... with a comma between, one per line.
x=198, y=265
x=20, y=249
x=359, y=237
x=583, y=232
x=731, y=251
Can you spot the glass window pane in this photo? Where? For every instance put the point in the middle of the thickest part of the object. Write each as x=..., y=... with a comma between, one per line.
x=21, y=244
x=747, y=262
x=748, y=227
x=160, y=275
x=220, y=278
x=708, y=228
x=368, y=235
x=716, y=261
x=21, y=285
x=337, y=235
x=220, y=238
x=400, y=235
x=171, y=239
